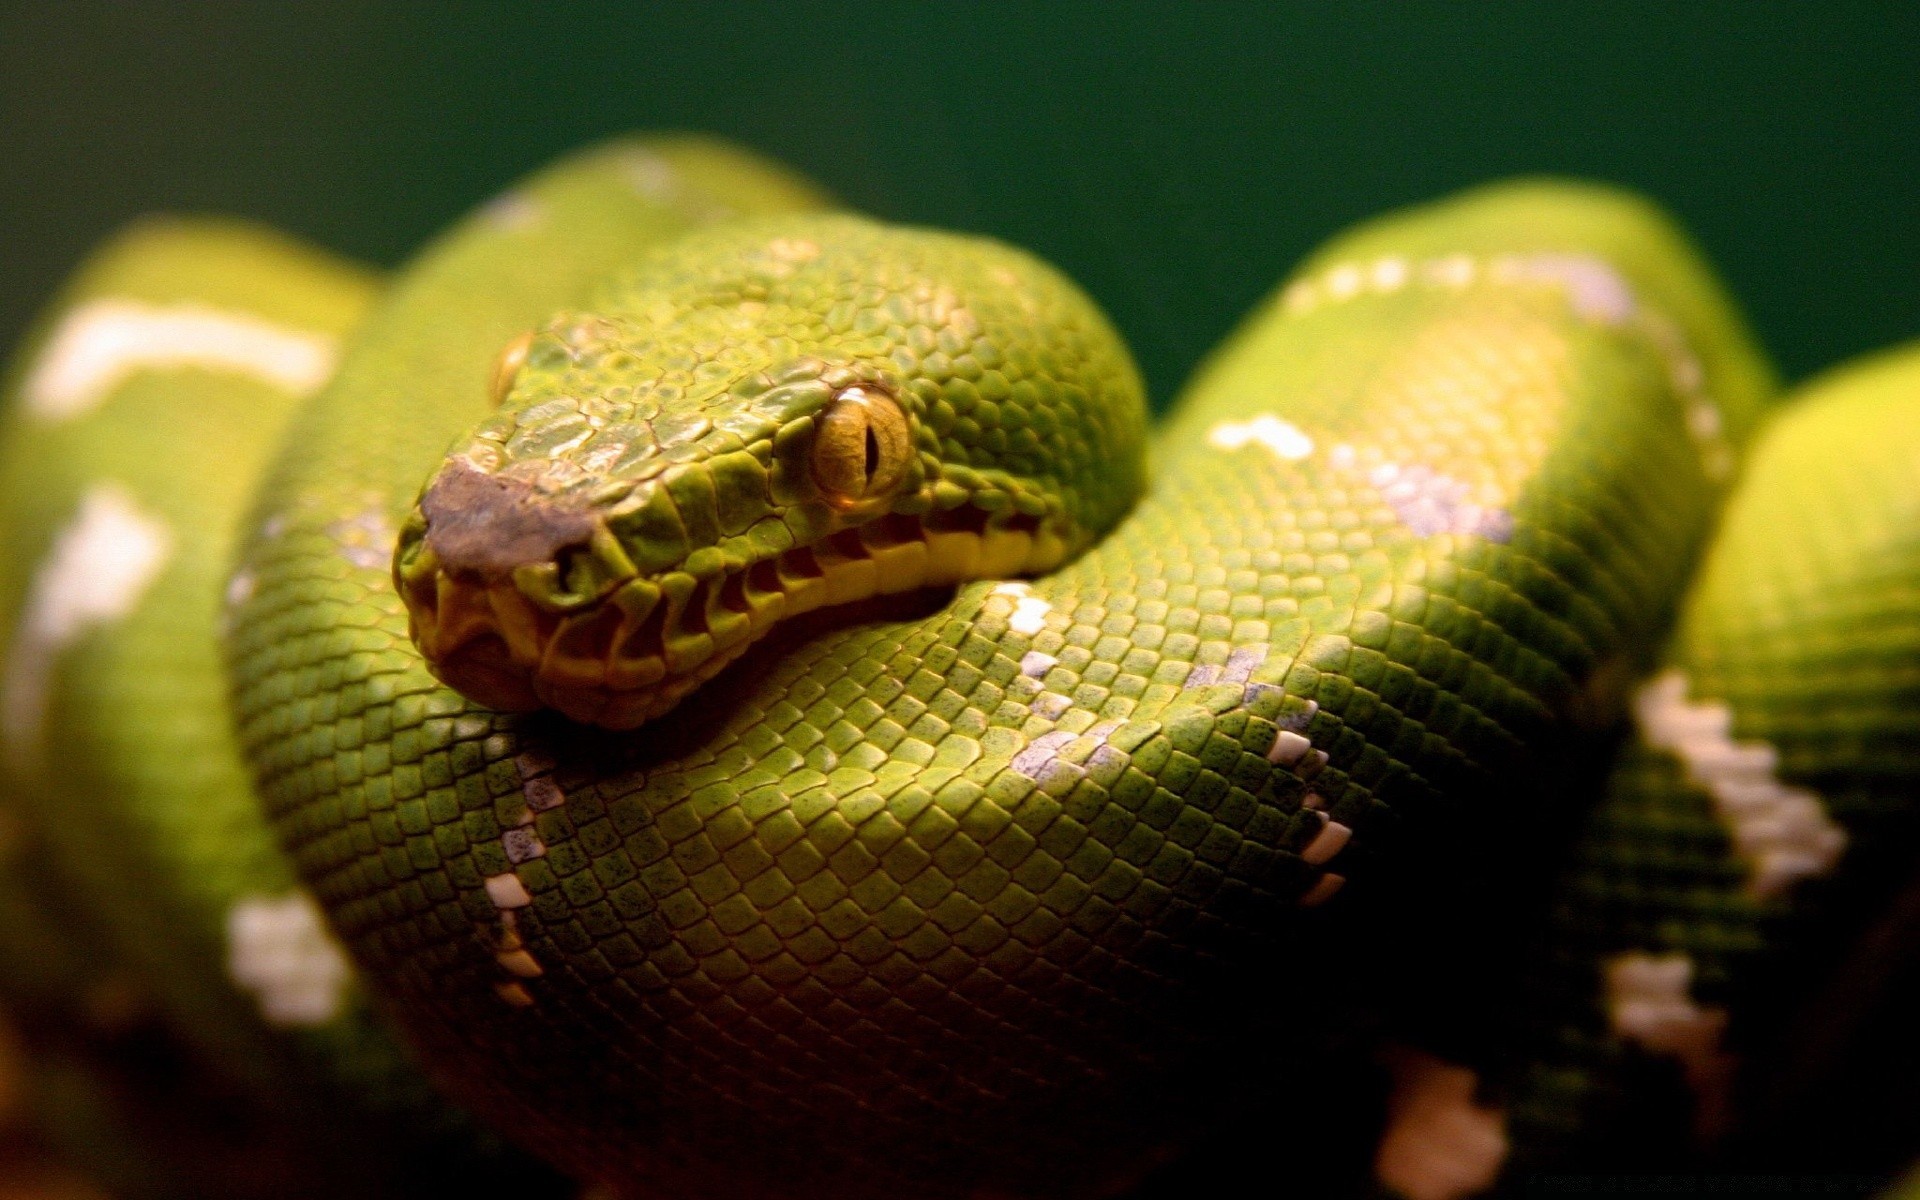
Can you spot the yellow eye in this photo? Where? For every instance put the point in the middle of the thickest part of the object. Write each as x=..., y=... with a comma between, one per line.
x=506, y=368
x=861, y=447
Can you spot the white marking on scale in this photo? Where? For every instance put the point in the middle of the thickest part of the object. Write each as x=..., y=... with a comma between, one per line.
x=1649, y=1002
x=795, y=250
x=279, y=948
x=1282, y=438
x=543, y=793
x=513, y=212
x=506, y=891
x=1050, y=705
x=1440, y=1143
x=1202, y=675
x=240, y=587
x=1242, y=661
x=1428, y=502
x=1290, y=745
x=1703, y=421
x=1596, y=291
x=1035, y=664
x=1783, y=832
x=522, y=844
x=511, y=950
x=1331, y=839
x=1104, y=754
x=1345, y=281
x=100, y=565
x=1029, y=611
x=1287, y=748
x=1452, y=271
x=651, y=175
x=1389, y=274
x=102, y=343
x=1041, y=752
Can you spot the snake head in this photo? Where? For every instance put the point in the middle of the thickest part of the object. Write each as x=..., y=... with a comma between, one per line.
x=760, y=422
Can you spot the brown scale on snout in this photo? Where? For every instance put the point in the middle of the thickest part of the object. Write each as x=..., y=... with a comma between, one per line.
x=479, y=529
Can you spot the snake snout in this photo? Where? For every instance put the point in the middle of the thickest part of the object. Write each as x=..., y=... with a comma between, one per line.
x=490, y=565
x=491, y=525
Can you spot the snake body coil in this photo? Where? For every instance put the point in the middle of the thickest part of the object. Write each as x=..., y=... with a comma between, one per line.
x=869, y=889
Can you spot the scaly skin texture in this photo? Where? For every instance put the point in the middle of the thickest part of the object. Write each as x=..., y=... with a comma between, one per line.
x=757, y=422
x=941, y=901
x=1763, y=811
x=139, y=842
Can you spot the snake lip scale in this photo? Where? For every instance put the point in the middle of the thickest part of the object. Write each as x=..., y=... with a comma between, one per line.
x=638, y=647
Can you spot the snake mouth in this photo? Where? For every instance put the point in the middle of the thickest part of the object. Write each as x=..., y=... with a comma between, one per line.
x=634, y=650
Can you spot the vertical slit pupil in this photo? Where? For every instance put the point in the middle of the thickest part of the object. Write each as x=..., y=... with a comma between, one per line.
x=873, y=455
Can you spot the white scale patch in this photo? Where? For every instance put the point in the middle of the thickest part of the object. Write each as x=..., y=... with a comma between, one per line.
x=513, y=212
x=651, y=176
x=1648, y=1002
x=1035, y=665
x=1040, y=759
x=1029, y=611
x=1783, y=832
x=522, y=844
x=240, y=587
x=1424, y=500
x=1292, y=749
x=1439, y=1143
x=99, y=567
x=100, y=344
x=279, y=949
x=1594, y=288
x=1428, y=502
x=1282, y=438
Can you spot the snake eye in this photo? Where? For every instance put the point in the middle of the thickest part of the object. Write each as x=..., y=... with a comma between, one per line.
x=506, y=368
x=862, y=447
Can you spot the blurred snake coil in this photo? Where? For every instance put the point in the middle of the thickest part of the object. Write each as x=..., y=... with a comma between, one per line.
x=810, y=736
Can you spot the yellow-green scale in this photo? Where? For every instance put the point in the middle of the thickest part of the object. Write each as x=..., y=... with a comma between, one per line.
x=1744, y=852
x=220, y=1043
x=132, y=730
x=960, y=900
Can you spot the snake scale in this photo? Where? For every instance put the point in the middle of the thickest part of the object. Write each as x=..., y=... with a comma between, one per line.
x=882, y=765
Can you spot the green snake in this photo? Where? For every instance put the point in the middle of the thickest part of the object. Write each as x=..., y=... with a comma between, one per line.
x=949, y=778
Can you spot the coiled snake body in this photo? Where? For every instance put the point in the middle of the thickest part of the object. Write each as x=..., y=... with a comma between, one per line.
x=863, y=888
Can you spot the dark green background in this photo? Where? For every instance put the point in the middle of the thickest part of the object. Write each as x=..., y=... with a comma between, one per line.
x=1175, y=159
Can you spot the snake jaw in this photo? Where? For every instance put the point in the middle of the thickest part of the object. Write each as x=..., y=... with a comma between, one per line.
x=581, y=630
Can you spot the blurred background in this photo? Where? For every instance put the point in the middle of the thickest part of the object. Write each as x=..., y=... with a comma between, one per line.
x=1175, y=159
